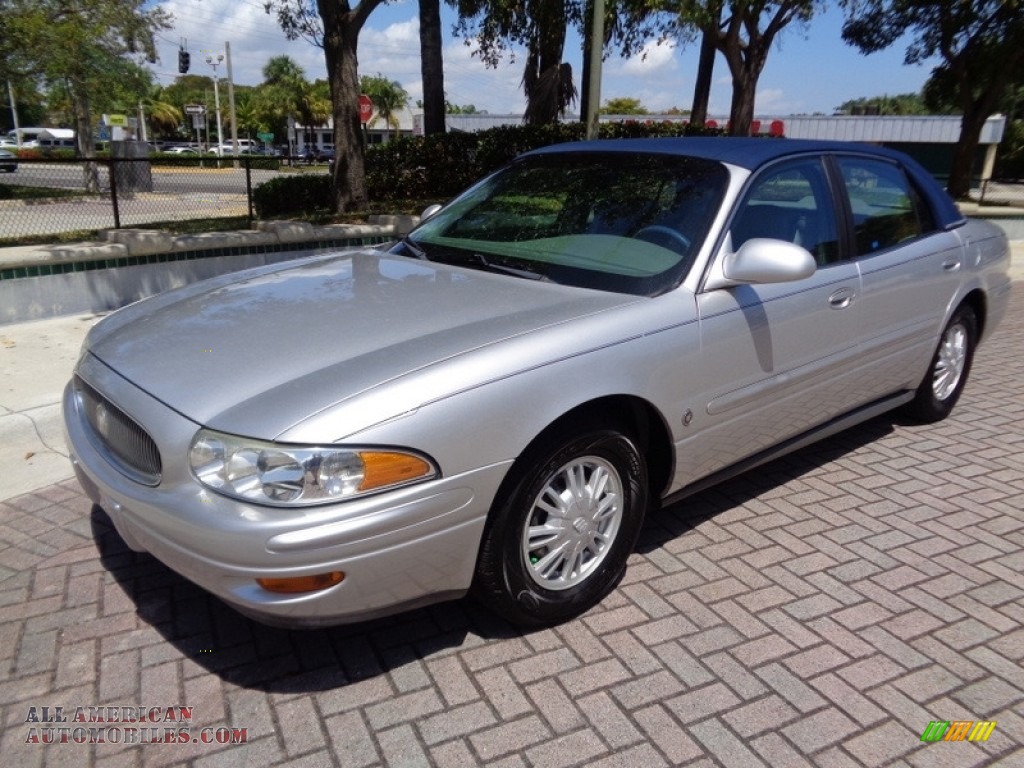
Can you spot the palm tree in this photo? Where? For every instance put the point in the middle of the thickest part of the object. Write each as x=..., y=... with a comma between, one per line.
x=283, y=70
x=164, y=117
x=388, y=97
x=286, y=92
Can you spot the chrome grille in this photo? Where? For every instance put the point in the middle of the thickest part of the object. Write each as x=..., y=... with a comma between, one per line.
x=119, y=436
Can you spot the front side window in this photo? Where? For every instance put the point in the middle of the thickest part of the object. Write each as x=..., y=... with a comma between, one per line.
x=886, y=208
x=623, y=222
x=790, y=201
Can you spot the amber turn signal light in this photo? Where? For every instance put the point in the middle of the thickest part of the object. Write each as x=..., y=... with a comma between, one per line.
x=297, y=584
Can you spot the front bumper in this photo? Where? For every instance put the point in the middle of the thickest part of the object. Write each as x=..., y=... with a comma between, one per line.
x=397, y=549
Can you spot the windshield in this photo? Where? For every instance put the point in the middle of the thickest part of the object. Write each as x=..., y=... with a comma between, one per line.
x=615, y=221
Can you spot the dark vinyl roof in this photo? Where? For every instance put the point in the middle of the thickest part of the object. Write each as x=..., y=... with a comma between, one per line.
x=752, y=153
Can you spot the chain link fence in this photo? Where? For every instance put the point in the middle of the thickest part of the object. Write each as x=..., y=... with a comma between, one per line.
x=42, y=198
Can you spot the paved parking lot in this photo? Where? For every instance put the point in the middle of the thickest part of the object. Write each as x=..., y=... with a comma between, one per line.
x=822, y=610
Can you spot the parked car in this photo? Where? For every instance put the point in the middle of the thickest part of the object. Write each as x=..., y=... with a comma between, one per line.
x=181, y=150
x=8, y=161
x=493, y=404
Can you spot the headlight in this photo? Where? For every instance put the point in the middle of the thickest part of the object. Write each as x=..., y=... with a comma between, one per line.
x=287, y=475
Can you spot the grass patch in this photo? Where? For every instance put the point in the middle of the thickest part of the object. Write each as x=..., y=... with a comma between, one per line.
x=18, y=192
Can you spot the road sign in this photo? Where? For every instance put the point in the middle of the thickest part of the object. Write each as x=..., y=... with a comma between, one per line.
x=365, y=108
x=195, y=109
x=266, y=138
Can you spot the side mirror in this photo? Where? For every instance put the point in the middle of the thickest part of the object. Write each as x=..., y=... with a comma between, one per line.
x=762, y=260
x=429, y=211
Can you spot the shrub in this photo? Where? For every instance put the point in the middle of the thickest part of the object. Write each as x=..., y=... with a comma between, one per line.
x=291, y=195
x=423, y=168
x=439, y=167
x=436, y=168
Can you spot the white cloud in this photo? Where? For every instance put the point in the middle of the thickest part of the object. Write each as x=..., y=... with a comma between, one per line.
x=468, y=81
x=654, y=58
x=388, y=44
x=253, y=34
x=773, y=101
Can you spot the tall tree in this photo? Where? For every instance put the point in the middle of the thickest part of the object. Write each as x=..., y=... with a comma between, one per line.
x=743, y=31
x=83, y=45
x=623, y=105
x=980, y=43
x=432, y=67
x=335, y=25
x=894, y=104
x=538, y=25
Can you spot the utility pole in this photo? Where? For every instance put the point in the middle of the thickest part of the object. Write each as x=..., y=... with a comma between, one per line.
x=594, y=69
x=231, y=104
x=215, y=61
x=14, y=114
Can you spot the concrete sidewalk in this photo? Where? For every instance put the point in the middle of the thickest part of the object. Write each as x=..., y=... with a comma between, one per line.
x=36, y=361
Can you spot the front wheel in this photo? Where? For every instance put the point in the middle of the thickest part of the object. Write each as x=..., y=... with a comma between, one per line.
x=949, y=368
x=559, y=540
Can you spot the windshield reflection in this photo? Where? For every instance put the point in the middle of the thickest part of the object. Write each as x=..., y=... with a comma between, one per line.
x=623, y=222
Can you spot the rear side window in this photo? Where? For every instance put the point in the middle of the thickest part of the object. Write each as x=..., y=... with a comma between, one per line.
x=886, y=208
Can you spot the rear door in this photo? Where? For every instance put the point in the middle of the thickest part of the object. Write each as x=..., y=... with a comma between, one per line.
x=909, y=270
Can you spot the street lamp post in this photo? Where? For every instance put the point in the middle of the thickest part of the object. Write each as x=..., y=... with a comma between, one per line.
x=214, y=61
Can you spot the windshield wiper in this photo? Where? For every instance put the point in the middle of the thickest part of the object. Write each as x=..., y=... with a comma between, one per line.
x=506, y=269
x=414, y=248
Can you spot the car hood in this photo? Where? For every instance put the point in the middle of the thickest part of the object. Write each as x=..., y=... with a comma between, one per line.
x=257, y=352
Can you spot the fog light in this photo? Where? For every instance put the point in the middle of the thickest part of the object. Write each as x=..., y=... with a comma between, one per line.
x=296, y=584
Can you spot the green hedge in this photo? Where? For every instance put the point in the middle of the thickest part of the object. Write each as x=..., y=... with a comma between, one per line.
x=292, y=195
x=439, y=167
x=436, y=168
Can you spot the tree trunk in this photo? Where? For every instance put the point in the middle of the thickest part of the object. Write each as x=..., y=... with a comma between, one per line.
x=705, y=70
x=977, y=105
x=542, y=75
x=702, y=86
x=741, y=110
x=959, y=185
x=341, y=39
x=83, y=137
x=432, y=67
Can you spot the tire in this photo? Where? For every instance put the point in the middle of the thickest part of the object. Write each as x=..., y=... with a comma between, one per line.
x=948, y=371
x=562, y=528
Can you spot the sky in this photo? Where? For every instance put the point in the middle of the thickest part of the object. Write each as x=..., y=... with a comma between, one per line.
x=810, y=69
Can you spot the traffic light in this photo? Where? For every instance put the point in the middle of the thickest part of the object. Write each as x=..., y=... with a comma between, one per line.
x=184, y=59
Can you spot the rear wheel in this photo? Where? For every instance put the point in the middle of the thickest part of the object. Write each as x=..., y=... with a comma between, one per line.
x=558, y=541
x=949, y=368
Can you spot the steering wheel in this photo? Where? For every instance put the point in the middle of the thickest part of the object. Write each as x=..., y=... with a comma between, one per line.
x=666, y=237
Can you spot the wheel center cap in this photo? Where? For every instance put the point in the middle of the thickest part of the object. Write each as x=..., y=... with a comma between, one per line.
x=580, y=524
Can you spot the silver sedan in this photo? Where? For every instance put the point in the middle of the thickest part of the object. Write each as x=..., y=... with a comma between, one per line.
x=493, y=404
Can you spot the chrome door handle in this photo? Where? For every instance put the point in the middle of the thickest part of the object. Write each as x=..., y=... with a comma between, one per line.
x=952, y=265
x=841, y=298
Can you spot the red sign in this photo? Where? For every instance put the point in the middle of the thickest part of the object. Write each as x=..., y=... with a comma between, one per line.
x=365, y=108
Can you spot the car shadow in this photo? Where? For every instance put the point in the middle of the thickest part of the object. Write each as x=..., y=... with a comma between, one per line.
x=677, y=519
x=253, y=655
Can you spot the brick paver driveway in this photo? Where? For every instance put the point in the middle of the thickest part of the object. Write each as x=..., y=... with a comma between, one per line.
x=821, y=610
